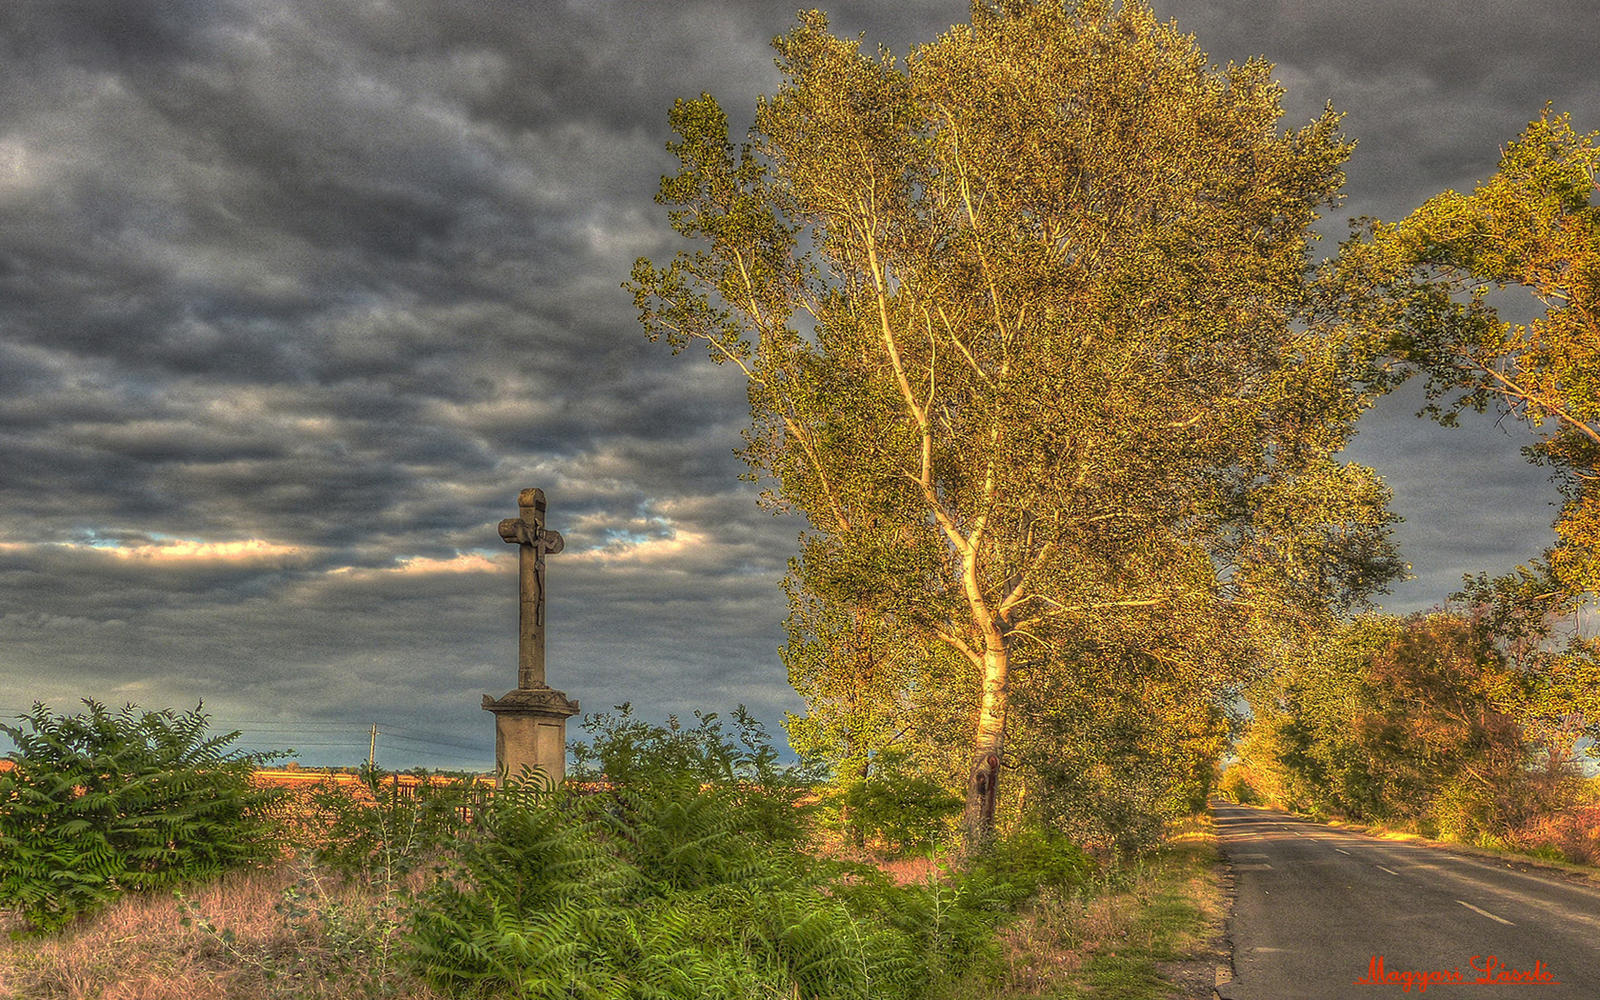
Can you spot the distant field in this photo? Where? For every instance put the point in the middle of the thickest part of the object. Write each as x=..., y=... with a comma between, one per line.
x=302, y=777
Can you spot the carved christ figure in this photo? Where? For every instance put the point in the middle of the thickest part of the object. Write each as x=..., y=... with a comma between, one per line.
x=535, y=540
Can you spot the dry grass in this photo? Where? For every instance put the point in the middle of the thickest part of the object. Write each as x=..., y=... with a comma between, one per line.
x=239, y=944
x=1567, y=838
x=1572, y=835
x=917, y=867
x=916, y=870
x=1052, y=939
x=284, y=932
x=1149, y=931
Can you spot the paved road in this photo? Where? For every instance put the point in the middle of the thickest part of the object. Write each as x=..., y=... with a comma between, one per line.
x=1316, y=907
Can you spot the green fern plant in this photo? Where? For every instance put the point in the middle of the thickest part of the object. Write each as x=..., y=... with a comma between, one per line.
x=103, y=802
x=532, y=903
x=682, y=872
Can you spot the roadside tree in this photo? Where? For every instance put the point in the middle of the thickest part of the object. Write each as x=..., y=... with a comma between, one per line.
x=1432, y=290
x=1535, y=624
x=1428, y=720
x=1025, y=329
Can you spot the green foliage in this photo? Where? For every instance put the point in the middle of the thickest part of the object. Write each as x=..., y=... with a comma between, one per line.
x=357, y=851
x=1236, y=786
x=374, y=837
x=1033, y=859
x=1026, y=331
x=376, y=832
x=903, y=812
x=628, y=751
x=876, y=691
x=1110, y=763
x=1533, y=622
x=1418, y=721
x=533, y=900
x=1426, y=291
x=1425, y=296
x=677, y=867
x=102, y=802
x=1304, y=746
x=668, y=772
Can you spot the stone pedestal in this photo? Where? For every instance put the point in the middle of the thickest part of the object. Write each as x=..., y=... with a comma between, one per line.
x=530, y=730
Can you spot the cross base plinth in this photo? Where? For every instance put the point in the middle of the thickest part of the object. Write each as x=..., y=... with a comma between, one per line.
x=530, y=731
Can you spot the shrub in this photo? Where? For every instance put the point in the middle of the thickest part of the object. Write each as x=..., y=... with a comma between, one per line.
x=1571, y=835
x=683, y=874
x=1032, y=859
x=369, y=832
x=904, y=812
x=102, y=802
x=361, y=853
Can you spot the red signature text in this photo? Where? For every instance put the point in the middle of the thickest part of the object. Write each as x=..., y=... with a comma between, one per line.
x=1490, y=969
x=1377, y=975
x=1495, y=971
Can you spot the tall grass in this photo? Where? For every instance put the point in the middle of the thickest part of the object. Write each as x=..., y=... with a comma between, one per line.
x=140, y=948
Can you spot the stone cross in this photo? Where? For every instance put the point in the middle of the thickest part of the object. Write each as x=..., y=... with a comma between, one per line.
x=535, y=540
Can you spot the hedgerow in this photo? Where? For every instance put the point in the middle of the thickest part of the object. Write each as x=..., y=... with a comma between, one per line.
x=679, y=864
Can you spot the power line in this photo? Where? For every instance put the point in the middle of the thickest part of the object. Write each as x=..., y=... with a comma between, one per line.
x=433, y=743
x=386, y=729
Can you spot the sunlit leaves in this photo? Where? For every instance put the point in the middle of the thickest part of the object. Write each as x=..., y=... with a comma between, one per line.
x=1433, y=720
x=1030, y=307
x=1430, y=290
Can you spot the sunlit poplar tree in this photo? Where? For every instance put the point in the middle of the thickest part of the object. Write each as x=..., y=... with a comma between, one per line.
x=1026, y=332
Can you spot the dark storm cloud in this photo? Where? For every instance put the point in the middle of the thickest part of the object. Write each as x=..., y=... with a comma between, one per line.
x=295, y=296
x=1472, y=503
x=1430, y=90
x=341, y=280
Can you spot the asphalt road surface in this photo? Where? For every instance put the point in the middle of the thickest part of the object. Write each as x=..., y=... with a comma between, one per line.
x=1320, y=912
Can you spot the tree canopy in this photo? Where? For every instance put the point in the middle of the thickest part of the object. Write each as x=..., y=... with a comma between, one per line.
x=1028, y=340
x=1460, y=723
x=1432, y=292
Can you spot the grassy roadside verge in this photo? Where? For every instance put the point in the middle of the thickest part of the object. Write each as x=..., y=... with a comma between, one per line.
x=1152, y=931
x=1526, y=857
x=230, y=939
x=1148, y=931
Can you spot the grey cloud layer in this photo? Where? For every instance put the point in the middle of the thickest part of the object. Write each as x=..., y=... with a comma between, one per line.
x=341, y=278
x=1430, y=90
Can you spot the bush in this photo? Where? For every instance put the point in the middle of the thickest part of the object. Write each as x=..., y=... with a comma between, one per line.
x=1032, y=859
x=99, y=803
x=901, y=811
x=1571, y=835
x=371, y=833
x=680, y=871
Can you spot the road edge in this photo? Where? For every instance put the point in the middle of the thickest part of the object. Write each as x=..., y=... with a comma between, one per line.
x=1226, y=885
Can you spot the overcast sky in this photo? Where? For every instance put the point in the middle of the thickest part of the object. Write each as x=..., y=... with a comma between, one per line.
x=295, y=296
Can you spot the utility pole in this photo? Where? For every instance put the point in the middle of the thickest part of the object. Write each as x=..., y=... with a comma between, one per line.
x=372, y=748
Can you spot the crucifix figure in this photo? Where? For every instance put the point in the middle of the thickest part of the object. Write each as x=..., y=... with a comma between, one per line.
x=535, y=540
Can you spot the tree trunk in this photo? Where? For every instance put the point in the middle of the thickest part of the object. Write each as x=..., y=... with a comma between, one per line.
x=848, y=813
x=988, y=746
